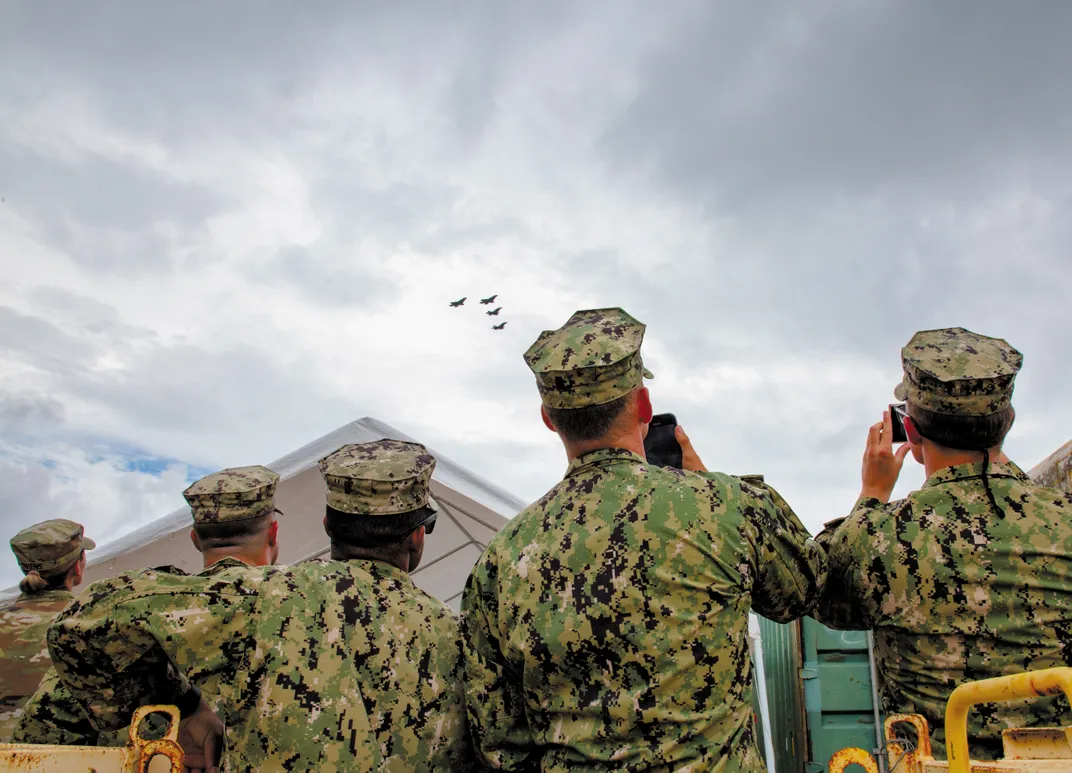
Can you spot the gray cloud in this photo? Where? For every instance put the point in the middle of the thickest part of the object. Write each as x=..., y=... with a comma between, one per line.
x=771, y=102
x=103, y=192
x=24, y=496
x=20, y=414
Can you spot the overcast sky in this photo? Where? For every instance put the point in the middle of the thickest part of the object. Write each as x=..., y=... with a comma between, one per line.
x=230, y=228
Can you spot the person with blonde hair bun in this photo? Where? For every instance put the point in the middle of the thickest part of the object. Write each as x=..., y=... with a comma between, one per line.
x=52, y=555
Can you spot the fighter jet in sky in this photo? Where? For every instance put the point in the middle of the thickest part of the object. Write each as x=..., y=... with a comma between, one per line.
x=455, y=304
x=494, y=312
x=489, y=300
x=498, y=327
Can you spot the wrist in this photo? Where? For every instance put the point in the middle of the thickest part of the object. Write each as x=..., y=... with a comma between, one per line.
x=881, y=495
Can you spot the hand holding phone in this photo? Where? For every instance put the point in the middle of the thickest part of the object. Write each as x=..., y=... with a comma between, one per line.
x=898, y=412
x=881, y=463
x=660, y=446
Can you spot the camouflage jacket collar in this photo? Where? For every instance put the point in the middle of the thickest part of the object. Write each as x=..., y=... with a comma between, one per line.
x=55, y=594
x=224, y=563
x=601, y=457
x=382, y=570
x=973, y=471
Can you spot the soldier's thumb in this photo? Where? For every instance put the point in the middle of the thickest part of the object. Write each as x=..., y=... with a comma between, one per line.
x=902, y=452
x=213, y=752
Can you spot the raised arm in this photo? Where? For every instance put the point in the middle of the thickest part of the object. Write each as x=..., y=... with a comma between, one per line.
x=791, y=567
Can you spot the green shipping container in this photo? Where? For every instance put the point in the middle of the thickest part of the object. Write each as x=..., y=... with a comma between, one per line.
x=819, y=691
x=785, y=694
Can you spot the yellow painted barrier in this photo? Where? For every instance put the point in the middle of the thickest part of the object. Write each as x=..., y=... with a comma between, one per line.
x=853, y=756
x=1026, y=750
x=1051, y=681
x=138, y=756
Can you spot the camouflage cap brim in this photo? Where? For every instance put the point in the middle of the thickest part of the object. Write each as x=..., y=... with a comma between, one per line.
x=384, y=477
x=52, y=565
x=234, y=494
x=591, y=386
x=50, y=546
x=966, y=397
x=956, y=372
x=593, y=359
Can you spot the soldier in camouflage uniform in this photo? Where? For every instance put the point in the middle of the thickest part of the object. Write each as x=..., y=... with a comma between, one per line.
x=52, y=555
x=969, y=577
x=234, y=524
x=333, y=665
x=605, y=627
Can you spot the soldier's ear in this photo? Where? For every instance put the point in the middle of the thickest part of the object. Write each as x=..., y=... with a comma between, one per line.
x=195, y=540
x=643, y=404
x=273, y=533
x=914, y=438
x=414, y=543
x=547, y=419
x=79, y=569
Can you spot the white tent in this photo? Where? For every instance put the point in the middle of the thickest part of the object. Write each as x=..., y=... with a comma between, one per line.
x=471, y=511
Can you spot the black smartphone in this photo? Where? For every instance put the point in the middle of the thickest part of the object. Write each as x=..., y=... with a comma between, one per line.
x=898, y=412
x=660, y=446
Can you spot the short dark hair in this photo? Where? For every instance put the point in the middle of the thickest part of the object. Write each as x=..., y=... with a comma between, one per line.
x=589, y=423
x=964, y=433
x=230, y=534
x=371, y=537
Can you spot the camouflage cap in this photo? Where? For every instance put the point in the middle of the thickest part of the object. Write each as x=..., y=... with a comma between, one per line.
x=384, y=477
x=591, y=360
x=234, y=494
x=50, y=546
x=957, y=372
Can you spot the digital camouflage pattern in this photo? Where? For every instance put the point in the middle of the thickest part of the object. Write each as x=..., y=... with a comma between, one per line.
x=383, y=477
x=234, y=494
x=320, y=666
x=954, y=371
x=606, y=626
x=24, y=656
x=955, y=592
x=50, y=546
x=53, y=716
x=591, y=360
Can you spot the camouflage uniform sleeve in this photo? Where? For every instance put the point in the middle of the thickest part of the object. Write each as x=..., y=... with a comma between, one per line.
x=111, y=663
x=790, y=566
x=493, y=693
x=53, y=716
x=840, y=605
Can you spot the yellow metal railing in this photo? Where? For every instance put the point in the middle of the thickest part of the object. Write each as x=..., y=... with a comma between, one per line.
x=852, y=756
x=1051, y=681
x=138, y=756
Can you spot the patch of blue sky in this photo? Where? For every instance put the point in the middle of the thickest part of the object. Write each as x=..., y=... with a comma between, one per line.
x=135, y=459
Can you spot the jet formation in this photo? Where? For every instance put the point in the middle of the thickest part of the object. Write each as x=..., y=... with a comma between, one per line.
x=483, y=302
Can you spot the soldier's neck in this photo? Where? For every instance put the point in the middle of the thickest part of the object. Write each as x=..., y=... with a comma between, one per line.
x=937, y=458
x=251, y=557
x=628, y=438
